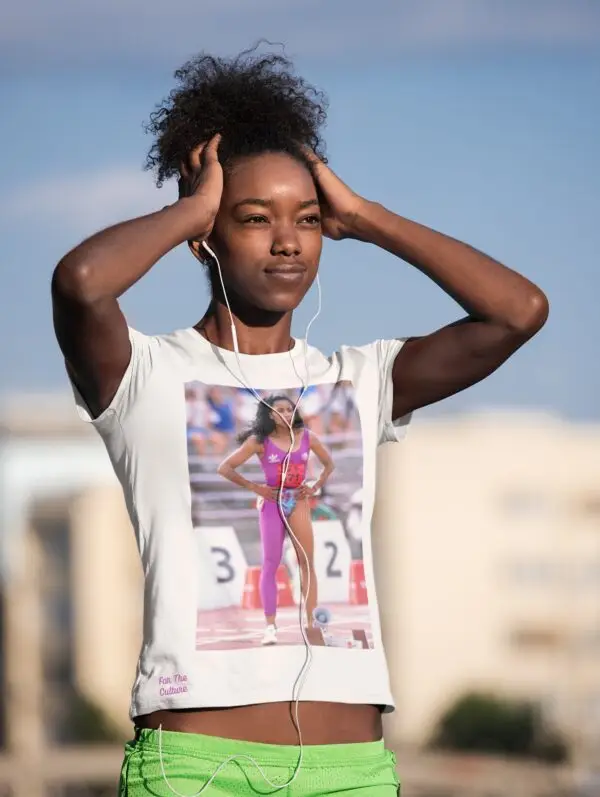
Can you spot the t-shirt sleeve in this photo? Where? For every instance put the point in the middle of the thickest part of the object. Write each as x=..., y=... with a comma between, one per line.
x=390, y=431
x=133, y=381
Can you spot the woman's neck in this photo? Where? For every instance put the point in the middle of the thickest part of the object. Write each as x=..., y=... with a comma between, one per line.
x=256, y=332
x=281, y=433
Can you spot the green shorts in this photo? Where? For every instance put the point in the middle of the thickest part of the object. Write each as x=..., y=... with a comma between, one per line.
x=190, y=759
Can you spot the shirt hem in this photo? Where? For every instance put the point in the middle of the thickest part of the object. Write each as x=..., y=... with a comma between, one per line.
x=140, y=708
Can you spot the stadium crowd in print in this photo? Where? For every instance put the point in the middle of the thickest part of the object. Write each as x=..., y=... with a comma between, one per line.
x=251, y=534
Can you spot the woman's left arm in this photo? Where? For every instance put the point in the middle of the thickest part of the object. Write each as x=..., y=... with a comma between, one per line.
x=504, y=309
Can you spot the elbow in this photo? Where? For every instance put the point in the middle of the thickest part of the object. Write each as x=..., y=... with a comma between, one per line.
x=532, y=316
x=73, y=280
x=222, y=470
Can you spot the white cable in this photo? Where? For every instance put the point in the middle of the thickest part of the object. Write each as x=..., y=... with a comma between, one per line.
x=302, y=675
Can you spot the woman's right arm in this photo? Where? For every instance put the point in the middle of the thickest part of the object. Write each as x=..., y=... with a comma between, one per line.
x=90, y=327
x=228, y=467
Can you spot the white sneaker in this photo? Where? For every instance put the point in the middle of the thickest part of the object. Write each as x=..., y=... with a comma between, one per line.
x=270, y=635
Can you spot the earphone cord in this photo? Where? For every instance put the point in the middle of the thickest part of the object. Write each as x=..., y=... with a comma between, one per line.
x=302, y=675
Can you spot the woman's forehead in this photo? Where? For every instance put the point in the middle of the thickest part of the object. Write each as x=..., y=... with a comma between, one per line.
x=269, y=177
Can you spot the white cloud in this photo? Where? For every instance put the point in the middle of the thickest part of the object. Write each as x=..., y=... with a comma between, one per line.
x=86, y=202
x=122, y=33
x=532, y=22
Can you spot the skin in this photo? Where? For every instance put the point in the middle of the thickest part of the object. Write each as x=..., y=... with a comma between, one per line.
x=299, y=520
x=502, y=311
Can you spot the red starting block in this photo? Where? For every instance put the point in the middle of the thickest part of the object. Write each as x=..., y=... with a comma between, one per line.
x=358, y=587
x=251, y=597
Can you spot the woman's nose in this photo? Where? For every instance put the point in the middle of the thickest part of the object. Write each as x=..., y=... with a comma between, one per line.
x=286, y=241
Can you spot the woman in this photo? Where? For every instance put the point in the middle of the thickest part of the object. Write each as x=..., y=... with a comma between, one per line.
x=243, y=137
x=269, y=439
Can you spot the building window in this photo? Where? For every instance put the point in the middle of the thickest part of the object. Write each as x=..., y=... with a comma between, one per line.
x=535, y=573
x=589, y=641
x=536, y=639
x=588, y=575
x=68, y=716
x=587, y=506
x=52, y=528
x=524, y=504
x=54, y=538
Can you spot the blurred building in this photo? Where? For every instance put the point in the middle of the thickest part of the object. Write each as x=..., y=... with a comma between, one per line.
x=488, y=555
x=71, y=581
x=489, y=566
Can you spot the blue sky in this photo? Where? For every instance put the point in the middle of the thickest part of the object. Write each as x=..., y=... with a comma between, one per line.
x=480, y=119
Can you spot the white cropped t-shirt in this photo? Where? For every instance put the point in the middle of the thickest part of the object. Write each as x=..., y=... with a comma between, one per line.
x=177, y=414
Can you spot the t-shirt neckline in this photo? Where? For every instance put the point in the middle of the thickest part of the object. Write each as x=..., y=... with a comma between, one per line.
x=253, y=360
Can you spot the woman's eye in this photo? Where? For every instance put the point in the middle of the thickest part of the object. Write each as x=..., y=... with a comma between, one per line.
x=311, y=220
x=255, y=219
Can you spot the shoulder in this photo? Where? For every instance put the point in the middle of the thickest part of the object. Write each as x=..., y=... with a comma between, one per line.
x=169, y=349
x=252, y=443
x=367, y=362
x=154, y=347
x=378, y=350
x=311, y=437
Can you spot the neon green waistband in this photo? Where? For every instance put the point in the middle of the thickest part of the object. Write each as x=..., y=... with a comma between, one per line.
x=314, y=755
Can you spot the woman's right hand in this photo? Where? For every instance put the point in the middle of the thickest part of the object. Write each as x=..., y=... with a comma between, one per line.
x=202, y=177
x=266, y=492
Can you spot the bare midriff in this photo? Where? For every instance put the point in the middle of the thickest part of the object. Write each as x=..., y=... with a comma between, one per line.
x=273, y=723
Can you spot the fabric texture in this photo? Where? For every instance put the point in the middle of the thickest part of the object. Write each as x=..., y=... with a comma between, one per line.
x=190, y=760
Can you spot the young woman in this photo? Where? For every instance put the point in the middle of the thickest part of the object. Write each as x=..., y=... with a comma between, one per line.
x=269, y=439
x=243, y=137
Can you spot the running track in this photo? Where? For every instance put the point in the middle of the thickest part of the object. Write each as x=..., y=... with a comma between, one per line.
x=234, y=628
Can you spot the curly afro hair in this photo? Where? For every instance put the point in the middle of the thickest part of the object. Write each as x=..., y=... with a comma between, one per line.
x=256, y=102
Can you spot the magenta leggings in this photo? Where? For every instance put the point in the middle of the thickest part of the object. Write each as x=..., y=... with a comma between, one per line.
x=272, y=535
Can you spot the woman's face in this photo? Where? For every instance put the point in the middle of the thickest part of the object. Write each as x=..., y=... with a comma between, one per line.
x=267, y=234
x=282, y=413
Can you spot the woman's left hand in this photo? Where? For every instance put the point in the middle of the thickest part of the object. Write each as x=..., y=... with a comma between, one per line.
x=307, y=490
x=340, y=205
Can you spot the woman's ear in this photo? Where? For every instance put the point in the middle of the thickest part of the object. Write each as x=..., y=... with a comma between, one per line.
x=199, y=252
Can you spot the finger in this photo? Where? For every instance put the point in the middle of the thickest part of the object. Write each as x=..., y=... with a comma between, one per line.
x=183, y=170
x=310, y=155
x=212, y=148
x=194, y=156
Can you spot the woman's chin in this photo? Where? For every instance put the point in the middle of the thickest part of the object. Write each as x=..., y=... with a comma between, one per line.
x=279, y=305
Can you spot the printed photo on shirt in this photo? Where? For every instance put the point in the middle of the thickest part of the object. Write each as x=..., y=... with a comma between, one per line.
x=277, y=516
